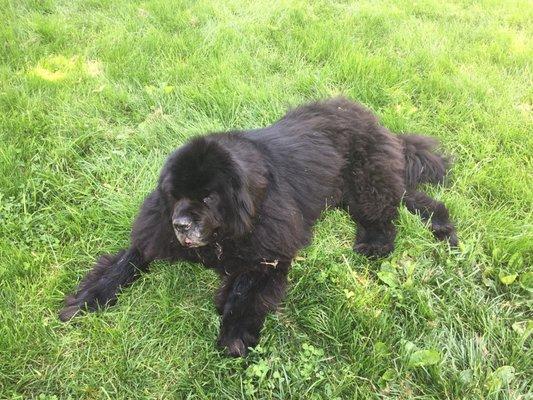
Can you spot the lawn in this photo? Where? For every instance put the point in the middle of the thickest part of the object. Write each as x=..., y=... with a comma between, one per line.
x=94, y=94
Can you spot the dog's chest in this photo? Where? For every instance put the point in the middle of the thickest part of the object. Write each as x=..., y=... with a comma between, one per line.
x=210, y=256
x=221, y=256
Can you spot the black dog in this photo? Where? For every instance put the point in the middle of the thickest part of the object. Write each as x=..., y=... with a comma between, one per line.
x=244, y=203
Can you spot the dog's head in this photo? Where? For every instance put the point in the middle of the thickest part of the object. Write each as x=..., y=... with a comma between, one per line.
x=207, y=193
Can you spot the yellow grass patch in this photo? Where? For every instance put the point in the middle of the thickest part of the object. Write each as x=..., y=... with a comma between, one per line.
x=58, y=68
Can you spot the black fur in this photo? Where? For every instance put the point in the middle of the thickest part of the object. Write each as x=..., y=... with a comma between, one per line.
x=250, y=200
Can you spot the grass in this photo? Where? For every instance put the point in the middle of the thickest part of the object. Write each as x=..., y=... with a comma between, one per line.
x=94, y=94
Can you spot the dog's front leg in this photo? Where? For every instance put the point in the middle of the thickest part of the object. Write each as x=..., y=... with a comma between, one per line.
x=244, y=300
x=152, y=238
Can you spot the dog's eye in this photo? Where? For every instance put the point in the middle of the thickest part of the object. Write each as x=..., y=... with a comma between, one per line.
x=207, y=199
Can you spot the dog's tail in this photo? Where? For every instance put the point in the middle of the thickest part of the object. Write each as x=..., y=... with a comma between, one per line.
x=423, y=163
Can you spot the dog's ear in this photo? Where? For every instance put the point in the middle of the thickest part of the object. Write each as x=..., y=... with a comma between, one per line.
x=241, y=210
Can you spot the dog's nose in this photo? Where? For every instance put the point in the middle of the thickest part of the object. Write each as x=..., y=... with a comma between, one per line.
x=182, y=223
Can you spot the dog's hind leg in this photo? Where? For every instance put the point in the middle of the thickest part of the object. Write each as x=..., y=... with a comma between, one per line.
x=374, y=209
x=373, y=186
x=434, y=212
x=375, y=237
x=373, y=205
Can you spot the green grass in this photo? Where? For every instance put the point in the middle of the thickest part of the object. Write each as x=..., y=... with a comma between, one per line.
x=94, y=95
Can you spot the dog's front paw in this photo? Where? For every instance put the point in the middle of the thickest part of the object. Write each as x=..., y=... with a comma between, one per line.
x=374, y=249
x=234, y=347
x=237, y=345
x=71, y=309
x=77, y=303
x=88, y=299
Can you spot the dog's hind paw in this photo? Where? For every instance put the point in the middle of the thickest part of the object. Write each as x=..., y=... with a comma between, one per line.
x=374, y=250
x=445, y=231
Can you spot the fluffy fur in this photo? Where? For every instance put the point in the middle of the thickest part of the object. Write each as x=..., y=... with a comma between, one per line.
x=252, y=198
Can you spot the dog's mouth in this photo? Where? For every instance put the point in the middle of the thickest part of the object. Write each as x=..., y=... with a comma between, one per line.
x=190, y=241
x=186, y=242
